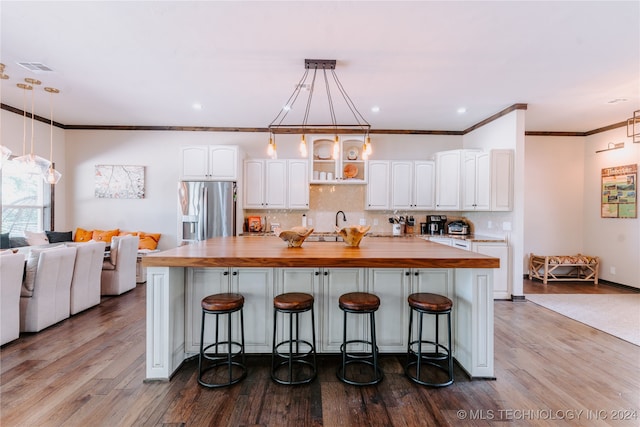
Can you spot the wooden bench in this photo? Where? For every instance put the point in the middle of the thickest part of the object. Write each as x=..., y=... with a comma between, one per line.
x=564, y=267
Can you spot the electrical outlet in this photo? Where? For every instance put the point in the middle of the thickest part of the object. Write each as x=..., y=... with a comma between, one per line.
x=375, y=221
x=363, y=221
x=612, y=270
x=506, y=226
x=309, y=222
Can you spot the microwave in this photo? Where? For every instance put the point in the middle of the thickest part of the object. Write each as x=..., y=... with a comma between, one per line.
x=458, y=227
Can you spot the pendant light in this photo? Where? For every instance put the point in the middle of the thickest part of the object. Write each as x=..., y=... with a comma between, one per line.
x=5, y=152
x=52, y=176
x=32, y=160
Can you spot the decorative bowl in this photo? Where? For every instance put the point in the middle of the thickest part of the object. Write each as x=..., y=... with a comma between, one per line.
x=353, y=235
x=296, y=236
x=350, y=171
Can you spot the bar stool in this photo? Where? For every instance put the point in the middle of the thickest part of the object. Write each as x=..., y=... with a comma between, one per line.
x=426, y=303
x=284, y=354
x=221, y=304
x=359, y=303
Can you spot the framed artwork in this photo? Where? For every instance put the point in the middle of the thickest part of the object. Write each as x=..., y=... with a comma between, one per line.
x=619, y=192
x=254, y=223
x=119, y=182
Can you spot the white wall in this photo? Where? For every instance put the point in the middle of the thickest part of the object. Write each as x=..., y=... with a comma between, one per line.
x=615, y=240
x=506, y=132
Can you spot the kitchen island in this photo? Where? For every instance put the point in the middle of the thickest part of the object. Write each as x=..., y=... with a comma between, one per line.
x=262, y=267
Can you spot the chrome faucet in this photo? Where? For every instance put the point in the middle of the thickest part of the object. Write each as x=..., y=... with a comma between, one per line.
x=344, y=217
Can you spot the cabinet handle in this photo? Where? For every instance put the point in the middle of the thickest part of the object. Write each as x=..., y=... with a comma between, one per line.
x=235, y=273
x=317, y=273
x=326, y=273
x=416, y=274
x=226, y=273
x=407, y=273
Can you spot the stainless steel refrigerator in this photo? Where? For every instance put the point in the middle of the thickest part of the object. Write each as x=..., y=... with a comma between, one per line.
x=207, y=209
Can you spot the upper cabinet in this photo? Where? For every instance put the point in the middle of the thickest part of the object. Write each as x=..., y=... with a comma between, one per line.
x=378, y=185
x=276, y=184
x=348, y=167
x=501, y=180
x=476, y=184
x=412, y=185
x=448, y=174
x=209, y=163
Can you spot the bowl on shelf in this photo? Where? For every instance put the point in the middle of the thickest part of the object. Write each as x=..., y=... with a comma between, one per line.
x=353, y=235
x=296, y=236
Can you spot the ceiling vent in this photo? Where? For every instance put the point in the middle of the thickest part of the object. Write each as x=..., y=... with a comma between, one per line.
x=36, y=67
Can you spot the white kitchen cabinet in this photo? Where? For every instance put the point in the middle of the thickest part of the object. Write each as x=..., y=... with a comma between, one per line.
x=256, y=286
x=448, y=173
x=476, y=181
x=501, y=180
x=349, y=167
x=501, y=276
x=392, y=286
x=209, y=163
x=265, y=184
x=298, y=184
x=412, y=185
x=378, y=185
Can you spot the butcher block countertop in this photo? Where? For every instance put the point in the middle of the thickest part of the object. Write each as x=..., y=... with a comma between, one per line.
x=271, y=251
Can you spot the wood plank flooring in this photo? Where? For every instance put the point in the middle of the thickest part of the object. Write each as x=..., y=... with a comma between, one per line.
x=89, y=371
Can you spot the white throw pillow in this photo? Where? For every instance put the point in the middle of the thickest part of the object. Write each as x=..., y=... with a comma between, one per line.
x=30, y=269
x=36, y=238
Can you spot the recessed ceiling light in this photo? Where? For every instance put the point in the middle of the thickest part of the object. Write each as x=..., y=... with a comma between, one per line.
x=462, y=110
x=375, y=109
x=197, y=106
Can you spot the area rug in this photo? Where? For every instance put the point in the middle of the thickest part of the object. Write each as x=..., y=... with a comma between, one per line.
x=615, y=314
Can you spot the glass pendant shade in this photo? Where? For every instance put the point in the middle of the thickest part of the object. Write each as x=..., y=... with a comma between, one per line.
x=52, y=176
x=303, y=147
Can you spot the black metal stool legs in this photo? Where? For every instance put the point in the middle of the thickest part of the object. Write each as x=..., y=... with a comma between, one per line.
x=299, y=358
x=222, y=364
x=350, y=358
x=416, y=357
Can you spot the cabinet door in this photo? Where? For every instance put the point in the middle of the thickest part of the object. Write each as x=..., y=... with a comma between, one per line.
x=378, y=185
x=254, y=184
x=448, y=180
x=275, y=184
x=501, y=276
x=469, y=181
x=401, y=185
x=223, y=163
x=298, y=184
x=256, y=285
x=501, y=180
x=305, y=280
x=391, y=285
x=435, y=281
x=201, y=282
x=483, y=182
x=194, y=162
x=424, y=185
x=335, y=282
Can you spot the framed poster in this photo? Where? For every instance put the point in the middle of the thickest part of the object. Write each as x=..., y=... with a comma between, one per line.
x=119, y=182
x=619, y=192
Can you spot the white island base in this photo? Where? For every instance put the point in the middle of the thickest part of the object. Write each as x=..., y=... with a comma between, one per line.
x=174, y=313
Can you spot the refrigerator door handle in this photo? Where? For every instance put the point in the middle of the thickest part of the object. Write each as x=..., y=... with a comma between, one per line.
x=205, y=213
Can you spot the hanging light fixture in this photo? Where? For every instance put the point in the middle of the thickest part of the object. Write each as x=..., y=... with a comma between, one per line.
x=5, y=152
x=31, y=159
x=327, y=67
x=52, y=176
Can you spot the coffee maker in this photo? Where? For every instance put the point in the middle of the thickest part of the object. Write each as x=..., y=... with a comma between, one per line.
x=435, y=224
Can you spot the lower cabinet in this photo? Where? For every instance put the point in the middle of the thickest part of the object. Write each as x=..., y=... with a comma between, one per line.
x=501, y=276
x=255, y=284
x=260, y=285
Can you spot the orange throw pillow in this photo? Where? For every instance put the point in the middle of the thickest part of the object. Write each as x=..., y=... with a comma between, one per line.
x=104, y=236
x=83, y=235
x=148, y=241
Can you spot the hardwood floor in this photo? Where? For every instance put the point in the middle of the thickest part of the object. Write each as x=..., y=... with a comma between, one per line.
x=89, y=371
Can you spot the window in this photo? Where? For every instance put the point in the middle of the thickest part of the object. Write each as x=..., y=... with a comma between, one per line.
x=27, y=201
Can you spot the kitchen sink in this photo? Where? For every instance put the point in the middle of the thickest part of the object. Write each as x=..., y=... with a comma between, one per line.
x=332, y=237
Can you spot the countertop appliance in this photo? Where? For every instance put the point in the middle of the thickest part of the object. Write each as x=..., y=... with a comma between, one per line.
x=435, y=224
x=458, y=227
x=207, y=209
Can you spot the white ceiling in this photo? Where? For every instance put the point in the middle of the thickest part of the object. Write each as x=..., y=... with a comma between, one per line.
x=146, y=63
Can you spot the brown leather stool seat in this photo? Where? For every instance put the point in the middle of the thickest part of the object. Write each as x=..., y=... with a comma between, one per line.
x=222, y=368
x=293, y=351
x=359, y=303
x=439, y=357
